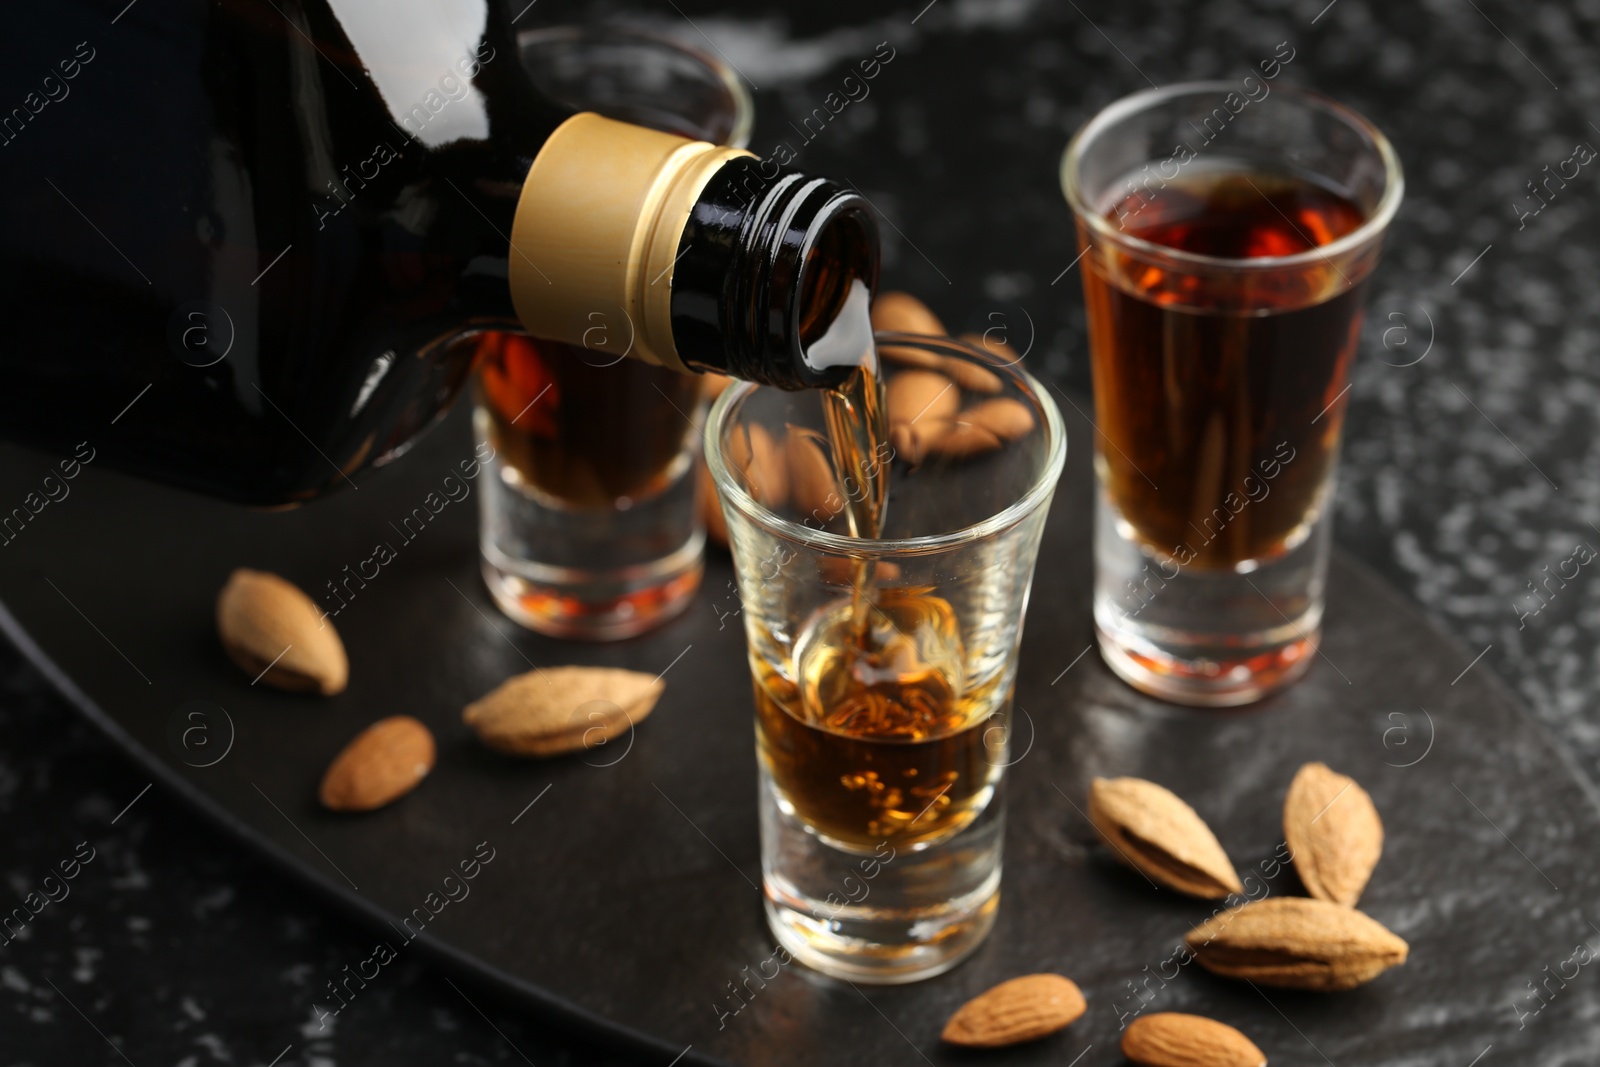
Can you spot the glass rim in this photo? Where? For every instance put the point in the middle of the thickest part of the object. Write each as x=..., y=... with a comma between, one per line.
x=744, y=108
x=1121, y=109
x=1037, y=494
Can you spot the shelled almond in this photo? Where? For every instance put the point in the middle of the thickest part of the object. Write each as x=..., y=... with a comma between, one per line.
x=922, y=397
x=1173, y=1039
x=1022, y=1009
x=812, y=483
x=1006, y=417
x=761, y=464
x=965, y=439
x=897, y=312
x=380, y=765
x=996, y=347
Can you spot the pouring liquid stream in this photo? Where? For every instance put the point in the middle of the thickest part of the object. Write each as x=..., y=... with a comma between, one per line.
x=858, y=431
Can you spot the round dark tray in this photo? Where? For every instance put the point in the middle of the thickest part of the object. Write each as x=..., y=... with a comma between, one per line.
x=623, y=887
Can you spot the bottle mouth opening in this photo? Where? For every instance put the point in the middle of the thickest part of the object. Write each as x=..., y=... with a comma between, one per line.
x=840, y=251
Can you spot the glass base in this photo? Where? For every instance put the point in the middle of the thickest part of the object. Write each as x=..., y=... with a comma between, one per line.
x=884, y=916
x=595, y=573
x=1207, y=638
x=874, y=950
x=595, y=606
x=1216, y=678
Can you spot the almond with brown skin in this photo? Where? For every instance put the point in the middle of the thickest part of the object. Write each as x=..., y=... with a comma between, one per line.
x=1296, y=943
x=380, y=765
x=963, y=440
x=275, y=633
x=811, y=480
x=972, y=377
x=1172, y=1039
x=562, y=709
x=918, y=397
x=992, y=345
x=912, y=441
x=1153, y=831
x=1333, y=832
x=903, y=313
x=905, y=356
x=896, y=312
x=1006, y=417
x=1022, y=1009
x=759, y=462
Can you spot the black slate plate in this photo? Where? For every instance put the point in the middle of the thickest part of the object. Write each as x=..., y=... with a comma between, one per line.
x=622, y=886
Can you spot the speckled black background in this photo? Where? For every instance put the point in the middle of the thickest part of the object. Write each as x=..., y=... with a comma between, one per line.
x=1471, y=461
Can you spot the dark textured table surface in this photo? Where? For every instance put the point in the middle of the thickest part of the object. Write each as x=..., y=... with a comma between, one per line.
x=1469, y=469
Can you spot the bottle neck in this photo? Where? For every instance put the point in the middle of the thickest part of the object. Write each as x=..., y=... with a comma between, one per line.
x=766, y=265
x=643, y=244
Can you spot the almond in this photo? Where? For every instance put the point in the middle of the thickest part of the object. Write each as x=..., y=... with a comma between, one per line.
x=562, y=709
x=904, y=313
x=1296, y=943
x=964, y=440
x=760, y=464
x=811, y=479
x=896, y=312
x=380, y=765
x=992, y=345
x=1006, y=417
x=918, y=396
x=278, y=636
x=1019, y=1010
x=1153, y=831
x=1172, y=1039
x=906, y=356
x=1333, y=832
x=912, y=441
x=712, y=385
x=972, y=377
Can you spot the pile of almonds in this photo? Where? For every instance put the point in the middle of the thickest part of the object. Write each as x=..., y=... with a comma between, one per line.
x=926, y=419
x=271, y=629
x=1335, y=838
x=925, y=413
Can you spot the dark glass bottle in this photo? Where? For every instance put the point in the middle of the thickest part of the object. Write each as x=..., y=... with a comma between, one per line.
x=238, y=239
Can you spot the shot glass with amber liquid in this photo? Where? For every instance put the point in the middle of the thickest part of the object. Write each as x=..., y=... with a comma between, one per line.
x=1228, y=235
x=883, y=561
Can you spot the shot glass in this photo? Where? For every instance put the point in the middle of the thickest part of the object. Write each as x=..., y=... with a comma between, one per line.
x=1228, y=231
x=588, y=524
x=884, y=669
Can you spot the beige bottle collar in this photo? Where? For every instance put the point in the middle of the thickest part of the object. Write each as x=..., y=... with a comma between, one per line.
x=596, y=235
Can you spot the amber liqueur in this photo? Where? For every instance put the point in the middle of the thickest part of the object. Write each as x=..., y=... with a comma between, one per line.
x=876, y=741
x=1220, y=399
x=589, y=430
